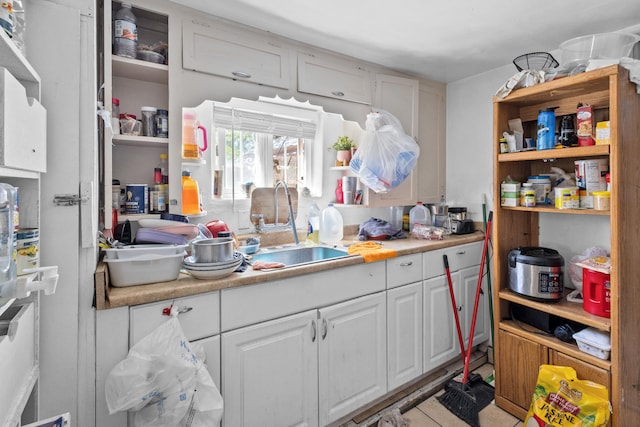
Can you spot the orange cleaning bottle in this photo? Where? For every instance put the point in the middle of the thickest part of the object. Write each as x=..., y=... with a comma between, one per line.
x=190, y=194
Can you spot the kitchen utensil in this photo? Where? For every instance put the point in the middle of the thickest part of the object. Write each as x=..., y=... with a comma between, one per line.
x=212, y=250
x=579, y=50
x=465, y=399
x=535, y=61
x=536, y=272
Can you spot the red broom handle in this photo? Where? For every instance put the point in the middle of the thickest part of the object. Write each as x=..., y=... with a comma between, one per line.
x=445, y=259
x=465, y=375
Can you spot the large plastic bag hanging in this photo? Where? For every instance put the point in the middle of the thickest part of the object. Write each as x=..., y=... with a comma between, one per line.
x=165, y=381
x=387, y=155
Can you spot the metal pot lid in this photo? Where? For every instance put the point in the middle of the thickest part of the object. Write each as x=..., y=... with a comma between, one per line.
x=536, y=255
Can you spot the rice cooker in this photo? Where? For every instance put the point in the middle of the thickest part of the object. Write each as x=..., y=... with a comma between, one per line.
x=536, y=272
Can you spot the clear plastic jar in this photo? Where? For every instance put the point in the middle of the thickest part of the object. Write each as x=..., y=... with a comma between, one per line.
x=149, y=121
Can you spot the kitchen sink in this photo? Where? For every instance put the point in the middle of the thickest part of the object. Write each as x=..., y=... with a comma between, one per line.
x=300, y=255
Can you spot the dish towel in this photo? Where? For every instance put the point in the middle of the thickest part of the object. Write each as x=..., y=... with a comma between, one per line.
x=371, y=251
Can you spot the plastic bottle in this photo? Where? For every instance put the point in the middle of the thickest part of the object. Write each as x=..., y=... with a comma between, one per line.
x=190, y=128
x=313, y=225
x=331, y=225
x=190, y=194
x=162, y=123
x=125, y=32
x=339, y=193
x=546, y=129
x=419, y=214
x=164, y=168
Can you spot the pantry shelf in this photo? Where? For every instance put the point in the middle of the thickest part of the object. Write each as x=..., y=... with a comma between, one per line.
x=140, y=70
x=559, y=153
x=552, y=342
x=550, y=209
x=565, y=309
x=139, y=141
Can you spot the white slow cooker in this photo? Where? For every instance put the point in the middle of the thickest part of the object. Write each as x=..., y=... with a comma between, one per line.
x=536, y=273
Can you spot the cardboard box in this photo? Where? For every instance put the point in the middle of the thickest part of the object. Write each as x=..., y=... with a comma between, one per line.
x=603, y=133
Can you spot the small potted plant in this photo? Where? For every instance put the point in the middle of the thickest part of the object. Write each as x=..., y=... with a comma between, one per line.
x=343, y=146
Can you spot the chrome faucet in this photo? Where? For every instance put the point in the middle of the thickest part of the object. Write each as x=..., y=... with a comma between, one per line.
x=292, y=219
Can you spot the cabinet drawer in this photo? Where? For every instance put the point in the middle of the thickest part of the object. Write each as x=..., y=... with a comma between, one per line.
x=218, y=50
x=404, y=270
x=461, y=256
x=333, y=78
x=23, y=127
x=199, y=317
x=18, y=368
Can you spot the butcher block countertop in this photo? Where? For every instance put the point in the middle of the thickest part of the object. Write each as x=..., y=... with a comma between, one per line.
x=107, y=296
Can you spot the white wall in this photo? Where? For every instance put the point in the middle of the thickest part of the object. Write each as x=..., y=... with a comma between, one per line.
x=470, y=165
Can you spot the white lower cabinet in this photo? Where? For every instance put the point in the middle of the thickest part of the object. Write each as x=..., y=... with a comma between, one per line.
x=440, y=334
x=404, y=334
x=309, y=368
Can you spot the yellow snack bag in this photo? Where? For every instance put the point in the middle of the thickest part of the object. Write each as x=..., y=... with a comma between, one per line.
x=561, y=400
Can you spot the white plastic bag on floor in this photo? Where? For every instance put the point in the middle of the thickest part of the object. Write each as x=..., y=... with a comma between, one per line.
x=165, y=381
x=386, y=156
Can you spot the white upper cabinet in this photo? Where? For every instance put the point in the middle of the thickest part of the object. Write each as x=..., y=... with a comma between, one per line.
x=213, y=48
x=334, y=78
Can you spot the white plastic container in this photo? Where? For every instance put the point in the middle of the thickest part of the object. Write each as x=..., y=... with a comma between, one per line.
x=313, y=225
x=144, y=269
x=594, y=342
x=419, y=214
x=331, y=225
x=135, y=251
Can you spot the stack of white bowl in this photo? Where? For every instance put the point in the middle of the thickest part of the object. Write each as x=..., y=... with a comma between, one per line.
x=212, y=258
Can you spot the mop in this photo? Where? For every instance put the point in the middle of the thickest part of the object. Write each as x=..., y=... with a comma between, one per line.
x=467, y=398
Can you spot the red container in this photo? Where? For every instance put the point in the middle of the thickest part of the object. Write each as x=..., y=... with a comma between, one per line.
x=596, y=290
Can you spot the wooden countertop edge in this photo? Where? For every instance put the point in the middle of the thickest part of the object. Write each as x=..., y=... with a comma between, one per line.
x=111, y=297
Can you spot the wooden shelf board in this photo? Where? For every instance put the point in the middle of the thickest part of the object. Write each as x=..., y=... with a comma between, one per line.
x=540, y=337
x=551, y=209
x=559, y=153
x=565, y=309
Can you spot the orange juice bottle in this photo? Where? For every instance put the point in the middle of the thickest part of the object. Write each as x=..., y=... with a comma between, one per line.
x=190, y=194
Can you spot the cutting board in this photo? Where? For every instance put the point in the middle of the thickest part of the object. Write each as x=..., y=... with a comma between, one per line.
x=262, y=203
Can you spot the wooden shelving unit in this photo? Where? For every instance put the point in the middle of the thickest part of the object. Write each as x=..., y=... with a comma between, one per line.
x=519, y=349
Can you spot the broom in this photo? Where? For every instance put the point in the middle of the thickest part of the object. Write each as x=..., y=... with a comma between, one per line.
x=465, y=399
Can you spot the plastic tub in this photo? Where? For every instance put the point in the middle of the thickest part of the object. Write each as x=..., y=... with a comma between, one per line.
x=134, y=251
x=579, y=50
x=594, y=342
x=144, y=269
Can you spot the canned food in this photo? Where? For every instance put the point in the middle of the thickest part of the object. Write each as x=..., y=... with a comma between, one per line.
x=137, y=199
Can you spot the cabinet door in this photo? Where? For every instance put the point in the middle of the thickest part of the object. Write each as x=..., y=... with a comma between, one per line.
x=352, y=355
x=585, y=371
x=269, y=373
x=440, y=337
x=219, y=50
x=466, y=299
x=517, y=364
x=334, y=78
x=431, y=169
x=399, y=96
x=404, y=334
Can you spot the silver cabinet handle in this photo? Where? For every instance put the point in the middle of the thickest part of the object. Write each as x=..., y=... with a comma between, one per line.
x=167, y=310
x=324, y=328
x=406, y=264
x=241, y=74
x=337, y=93
x=461, y=252
x=313, y=331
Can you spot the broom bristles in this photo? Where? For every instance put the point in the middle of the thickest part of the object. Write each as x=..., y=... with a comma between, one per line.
x=459, y=399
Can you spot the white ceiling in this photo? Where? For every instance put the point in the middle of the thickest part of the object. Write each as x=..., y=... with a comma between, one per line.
x=443, y=41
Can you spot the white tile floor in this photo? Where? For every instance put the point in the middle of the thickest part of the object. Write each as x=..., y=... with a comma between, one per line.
x=430, y=413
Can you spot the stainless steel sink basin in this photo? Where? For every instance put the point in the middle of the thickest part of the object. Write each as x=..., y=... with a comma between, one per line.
x=300, y=255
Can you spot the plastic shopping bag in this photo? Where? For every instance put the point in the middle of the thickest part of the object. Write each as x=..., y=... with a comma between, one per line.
x=165, y=381
x=561, y=399
x=386, y=156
